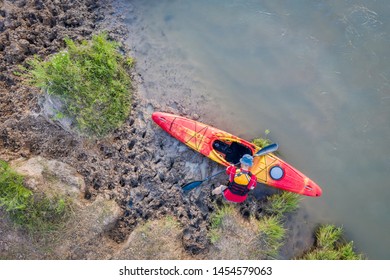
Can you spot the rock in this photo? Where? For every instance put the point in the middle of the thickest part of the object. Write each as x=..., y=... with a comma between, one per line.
x=24, y=45
x=50, y=174
x=31, y=183
x=15, y=53
x=195, y=116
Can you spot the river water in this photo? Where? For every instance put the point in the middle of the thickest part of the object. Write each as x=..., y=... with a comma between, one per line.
x=315, y=73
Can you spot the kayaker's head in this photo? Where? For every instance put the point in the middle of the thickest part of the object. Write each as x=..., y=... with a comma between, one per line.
x=246, y=161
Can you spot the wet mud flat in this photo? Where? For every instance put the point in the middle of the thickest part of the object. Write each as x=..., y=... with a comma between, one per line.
x=138, y=166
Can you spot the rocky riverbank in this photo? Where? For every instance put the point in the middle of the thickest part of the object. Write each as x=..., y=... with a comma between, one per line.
x=137, y=166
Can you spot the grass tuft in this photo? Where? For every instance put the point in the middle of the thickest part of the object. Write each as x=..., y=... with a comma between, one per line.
x=330, y=246
x=346, y=252
x=13, y=195
x=42, y=214
x=280, y=204
x=328, y=235
x=37, y=213
x=216, y=220
x=262, y=141
x=272, y=234
x=92, y=81
x=318, y=254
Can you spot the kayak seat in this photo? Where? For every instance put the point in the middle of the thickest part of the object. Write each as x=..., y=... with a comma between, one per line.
x=237, y=150
x=221, y=147
x=233, y=152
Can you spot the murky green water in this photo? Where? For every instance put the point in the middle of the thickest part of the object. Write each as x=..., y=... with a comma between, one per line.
x=315, y=73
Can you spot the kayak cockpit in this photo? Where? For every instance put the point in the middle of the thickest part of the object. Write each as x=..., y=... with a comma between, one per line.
x=231, y=151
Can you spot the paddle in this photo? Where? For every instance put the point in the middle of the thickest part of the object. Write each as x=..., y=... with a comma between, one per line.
x=267, y=149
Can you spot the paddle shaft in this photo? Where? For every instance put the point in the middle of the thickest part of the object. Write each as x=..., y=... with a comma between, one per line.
x=208, y=178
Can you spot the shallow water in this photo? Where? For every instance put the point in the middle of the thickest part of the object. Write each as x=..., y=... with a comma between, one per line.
x=315, y=73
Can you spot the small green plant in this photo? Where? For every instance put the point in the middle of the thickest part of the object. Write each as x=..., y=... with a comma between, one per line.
x=280, y=204
x=328, y=235
x=17, y=73
x=171, y=222
x=42, y=214
x=91, y=80
x=272, y=234
x=59, y=115
x=216, y=220
x=37, y=213
x=330, y=246
x=13, y=195
x=262, y=142
x=130, y=62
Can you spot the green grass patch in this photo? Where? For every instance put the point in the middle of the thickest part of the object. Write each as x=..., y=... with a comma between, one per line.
x=216, y=220
x=330, y=246
x=328, y=235
x=91, y=79
x=262, y=141
x=13, y=195
x=38, y=213
x=42, y=214
x=272, y=234
x=280, y=204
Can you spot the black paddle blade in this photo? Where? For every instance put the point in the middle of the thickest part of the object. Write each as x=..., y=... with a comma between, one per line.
x=267, y=149
x=192, y=185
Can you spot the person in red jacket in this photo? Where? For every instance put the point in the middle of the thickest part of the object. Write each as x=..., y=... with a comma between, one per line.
x=241, y=181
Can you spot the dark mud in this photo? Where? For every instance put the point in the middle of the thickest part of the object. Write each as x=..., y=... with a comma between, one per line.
x=139, y=165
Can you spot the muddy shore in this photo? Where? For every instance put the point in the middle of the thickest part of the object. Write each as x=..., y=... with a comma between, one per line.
x=137, y=166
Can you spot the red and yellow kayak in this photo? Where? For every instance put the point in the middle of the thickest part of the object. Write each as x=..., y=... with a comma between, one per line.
x=227, y=149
